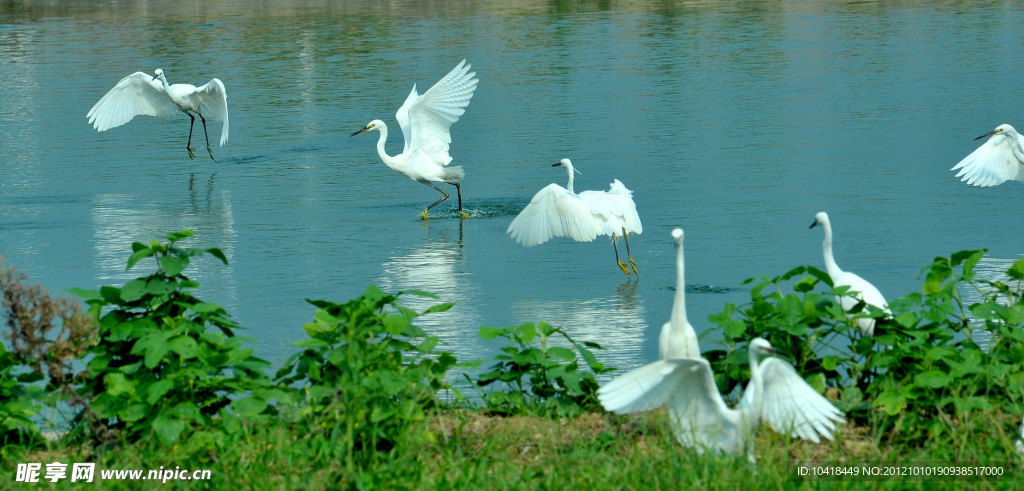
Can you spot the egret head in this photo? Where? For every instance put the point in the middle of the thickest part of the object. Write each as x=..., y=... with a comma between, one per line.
x=760, y=345
x=820, y=219
x=677, y=235
x=567, y=164
x=159, y=72
x=1001, y=129
x=372, y=125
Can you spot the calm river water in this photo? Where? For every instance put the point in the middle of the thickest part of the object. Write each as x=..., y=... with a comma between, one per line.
x=734, y=120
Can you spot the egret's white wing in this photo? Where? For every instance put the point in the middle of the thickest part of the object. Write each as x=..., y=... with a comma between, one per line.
x=992, y=163
x=432, y=114
x=697, y=410
x=135, y=94
x=867, y=292
x=643, y=389
x=791, y=406
x=603, y=208
x=212, y=98
x=554, y=212
x=403, y=116
x=626, y=206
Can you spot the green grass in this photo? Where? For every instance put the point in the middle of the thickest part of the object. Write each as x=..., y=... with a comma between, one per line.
x=473, y=450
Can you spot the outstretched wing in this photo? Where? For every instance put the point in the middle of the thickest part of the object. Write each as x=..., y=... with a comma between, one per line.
x=791, y=406
x=992, y=163
x=135, y=94
x=430, y=115
x=554, y=212
x=212, y=99
x=626, y=206
x=698, y=413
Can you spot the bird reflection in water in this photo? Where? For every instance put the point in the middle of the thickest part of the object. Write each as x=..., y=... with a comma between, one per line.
x=616, y=322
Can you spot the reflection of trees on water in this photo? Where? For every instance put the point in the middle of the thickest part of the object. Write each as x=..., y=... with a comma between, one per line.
x=436, y=266
x=616, y=322
x=120, y=219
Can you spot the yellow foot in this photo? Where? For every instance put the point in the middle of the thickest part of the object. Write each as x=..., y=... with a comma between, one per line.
x=211, y=153
x=633, y=264
x=423, y=216
x=622, y=266
x=463, y=214
x=191, y=153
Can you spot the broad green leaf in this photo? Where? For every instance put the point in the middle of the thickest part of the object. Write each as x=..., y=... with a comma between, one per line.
x=138, y=255
x=133, y=290
x=84, y=294
x=932, y=379
x=217, y=253
x=181, y=234
x=168, y=429
x=116, y=384
x=184, y=346
x=491, y=332
x=173, y=266
x=248, y=407
x=561, y=353
x=205, y=307
x=158, y=389
x=1017, y=270
x=439, y=308
x=155, y=353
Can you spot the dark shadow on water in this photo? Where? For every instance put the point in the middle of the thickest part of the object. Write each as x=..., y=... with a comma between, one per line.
x=706, y=289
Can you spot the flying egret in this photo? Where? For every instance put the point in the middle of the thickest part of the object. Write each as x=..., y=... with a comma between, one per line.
x=559, y=212
x=999, y=159
x=699, y=416
x=425, y=121
x=864, y=291
x=140, y=93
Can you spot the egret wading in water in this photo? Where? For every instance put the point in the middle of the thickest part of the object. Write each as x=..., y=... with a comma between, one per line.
x=863, y=290
x=559, y=212
x=425, y=120
x=151, y=95
x=998, y=160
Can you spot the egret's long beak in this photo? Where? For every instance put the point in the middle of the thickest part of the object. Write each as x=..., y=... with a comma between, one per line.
x=557, y=164
x=360, y=131
x=770, y=350
x=990, y=133
x=813, y=224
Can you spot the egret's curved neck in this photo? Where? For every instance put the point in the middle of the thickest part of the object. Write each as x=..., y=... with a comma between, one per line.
x=753, y=396
x=389, y=161
x=679, y=305
x=163, y=80
x=569, y=187
x=826, y=246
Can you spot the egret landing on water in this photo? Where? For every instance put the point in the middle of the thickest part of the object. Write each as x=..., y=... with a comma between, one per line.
x=863, y=290
x=559, y=212
x=151, y=95
x=1000, y=159
x=425, y=120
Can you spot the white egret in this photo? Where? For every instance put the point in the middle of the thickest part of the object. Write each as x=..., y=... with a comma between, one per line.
x=699, y=416
x=998, y=160
x=425, y=121
x=863, y=290
x=559, y=212
x=140, y=93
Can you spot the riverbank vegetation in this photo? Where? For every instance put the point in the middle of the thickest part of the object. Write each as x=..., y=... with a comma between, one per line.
x=148, y=375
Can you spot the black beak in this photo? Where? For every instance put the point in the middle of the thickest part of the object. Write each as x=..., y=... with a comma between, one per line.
x=813, y=224
x=556, y=165
x=990, y=133
x=358, y=132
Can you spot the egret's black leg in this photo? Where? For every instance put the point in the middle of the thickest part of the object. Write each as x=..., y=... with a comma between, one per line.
x=622, y=265
x=458, y=190
x=625, y=236
x=423, y=215
x=191, y=154
x=208, y=150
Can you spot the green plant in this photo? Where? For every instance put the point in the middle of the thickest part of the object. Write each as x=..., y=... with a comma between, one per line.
x=368, y=374
x=920, y=375
x=17, y=400
x=543, y=379
x=160, y=366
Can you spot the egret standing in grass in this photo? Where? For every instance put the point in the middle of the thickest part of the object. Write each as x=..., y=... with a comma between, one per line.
x=998, y=160
x=151, y=95
x=559, y=212
x=863, y=290
x=425, y=121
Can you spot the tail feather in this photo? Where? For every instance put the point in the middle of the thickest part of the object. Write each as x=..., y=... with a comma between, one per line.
x=454, y=173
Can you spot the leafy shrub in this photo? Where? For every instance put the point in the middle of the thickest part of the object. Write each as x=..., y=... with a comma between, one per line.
x=921, y=373
x=166, y=361
x=17, y=405
x=543, y=379
x=367, y=372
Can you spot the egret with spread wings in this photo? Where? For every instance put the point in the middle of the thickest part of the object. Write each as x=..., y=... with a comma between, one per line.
x=425, y=121
x=998, y=160
x=559, y=212
x=151, y=95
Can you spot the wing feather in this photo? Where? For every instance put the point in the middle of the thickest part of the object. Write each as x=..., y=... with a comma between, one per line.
x=554, y=212
x=793, y=407
x=992, y=163
x=212, y=99
x=135, y=94
x=431, y=115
